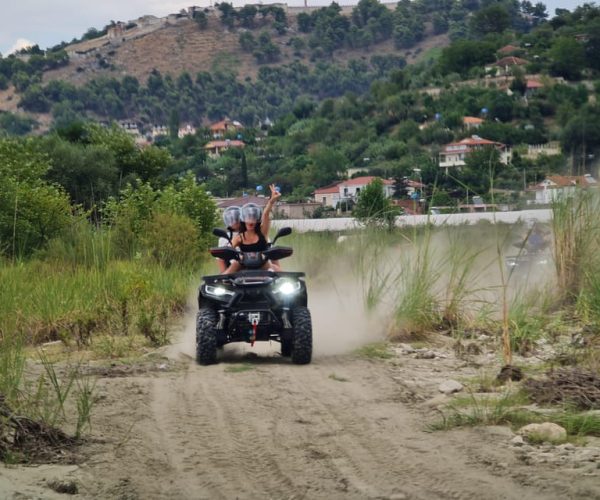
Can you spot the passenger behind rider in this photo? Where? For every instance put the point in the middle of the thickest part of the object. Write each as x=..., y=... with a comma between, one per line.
x=231, y=218
x=254, y=231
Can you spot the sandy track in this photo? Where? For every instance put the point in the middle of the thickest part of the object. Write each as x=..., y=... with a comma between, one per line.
x=341, y=427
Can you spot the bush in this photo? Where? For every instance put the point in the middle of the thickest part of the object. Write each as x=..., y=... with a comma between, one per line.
x=171, y=240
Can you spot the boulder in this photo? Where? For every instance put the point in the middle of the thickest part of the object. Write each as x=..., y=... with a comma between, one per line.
x=450, y=387
x=546, y=431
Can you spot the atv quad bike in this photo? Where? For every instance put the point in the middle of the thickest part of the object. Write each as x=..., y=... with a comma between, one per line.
x=253, y=305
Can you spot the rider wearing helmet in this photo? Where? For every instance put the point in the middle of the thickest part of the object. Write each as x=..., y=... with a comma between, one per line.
x=231, y=218
x=254, y=230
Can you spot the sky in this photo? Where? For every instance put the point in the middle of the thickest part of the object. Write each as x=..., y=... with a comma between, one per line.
x=49, y=22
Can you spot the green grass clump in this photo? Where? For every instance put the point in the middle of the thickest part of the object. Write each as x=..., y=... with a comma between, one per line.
x=43, y=301
x=377, y=350
x=244, y=367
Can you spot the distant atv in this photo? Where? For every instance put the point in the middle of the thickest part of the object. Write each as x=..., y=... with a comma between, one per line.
x=253, y=305
x=530, y=257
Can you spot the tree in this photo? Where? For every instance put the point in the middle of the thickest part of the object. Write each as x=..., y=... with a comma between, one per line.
x=31, y=210
x=462, y=55
x=88, y=173
x=201, y=19
x=480, y=170
x=568, y=58
x=582, y=132
x=246, y=16
x=228, y=13
x=247, y=41
x=492, y=19
x=373, y=207
x=305, y=22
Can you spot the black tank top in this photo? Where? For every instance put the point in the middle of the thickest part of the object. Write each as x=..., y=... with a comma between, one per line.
x=259, y=246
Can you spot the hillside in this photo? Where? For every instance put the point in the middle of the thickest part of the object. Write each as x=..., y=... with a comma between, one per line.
x=175, y=48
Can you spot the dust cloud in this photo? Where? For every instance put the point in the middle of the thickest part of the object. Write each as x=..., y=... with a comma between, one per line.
x=337, y=279
x=340, y=321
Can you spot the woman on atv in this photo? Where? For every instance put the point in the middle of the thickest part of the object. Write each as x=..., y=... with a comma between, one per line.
x=231, y=218
x=254, y=231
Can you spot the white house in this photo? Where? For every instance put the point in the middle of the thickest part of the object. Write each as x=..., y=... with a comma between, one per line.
x=215, y=148
x=555, y=187
x=186, y=130
x=455, y=153
x=534, y=151
x=349, y=190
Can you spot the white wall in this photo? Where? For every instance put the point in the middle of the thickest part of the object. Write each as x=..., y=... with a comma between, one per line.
x=346, y=223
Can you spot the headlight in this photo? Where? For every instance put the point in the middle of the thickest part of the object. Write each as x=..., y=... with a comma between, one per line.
x=287, y=287
x=217, y=291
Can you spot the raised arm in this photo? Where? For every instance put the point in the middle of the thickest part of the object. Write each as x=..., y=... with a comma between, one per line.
x=265, y=221
x=235, y=242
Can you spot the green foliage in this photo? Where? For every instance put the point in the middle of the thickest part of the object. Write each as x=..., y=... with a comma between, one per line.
x=265, y=50
x=247, y=41
x=201, y=19
x=15, y=124
x=491, y=19
x=374, y=207
x=171, y=240
x=568, y=58
x=31, y=210
x=463, y=55
x=137, y=208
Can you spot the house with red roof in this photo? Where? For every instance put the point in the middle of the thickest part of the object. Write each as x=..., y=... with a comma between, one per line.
x=504, y=66
x=508, y=50
x=220, y=128
x=215, y=148
x=349, y=189
x=555, y=187
x=455, y=153
x=471, y=122
x=532, y=86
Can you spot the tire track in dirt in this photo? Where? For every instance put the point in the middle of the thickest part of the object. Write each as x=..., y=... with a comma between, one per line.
x=341, y=427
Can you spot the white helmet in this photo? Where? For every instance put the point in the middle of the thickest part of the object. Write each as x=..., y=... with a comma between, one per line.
x=231, y=215
x=251, y=212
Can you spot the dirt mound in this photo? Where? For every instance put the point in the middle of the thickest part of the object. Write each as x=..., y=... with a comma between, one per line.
x=25, y=440
x=574, y=386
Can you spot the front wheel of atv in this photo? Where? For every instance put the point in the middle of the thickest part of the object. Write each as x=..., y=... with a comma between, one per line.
x=206, y=339
x=302, y=342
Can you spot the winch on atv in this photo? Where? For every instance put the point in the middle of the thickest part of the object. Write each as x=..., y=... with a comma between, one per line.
x=253, y=305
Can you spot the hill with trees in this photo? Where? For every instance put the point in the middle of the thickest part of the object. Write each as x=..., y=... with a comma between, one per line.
x=374, y=114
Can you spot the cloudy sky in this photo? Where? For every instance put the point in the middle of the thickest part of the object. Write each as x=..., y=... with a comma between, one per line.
x=49, y=22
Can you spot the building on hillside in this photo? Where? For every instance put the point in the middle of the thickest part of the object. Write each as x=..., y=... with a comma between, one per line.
x=509, y=50
x=215, y=148
x=532, y=87
x=555, y=187
x=116, y=33
x=349, y=189
x=472, y=122
x=295, y=210
x=131, y=128
x=220, y=128
x=159, y=130
x=455, y=153
x=186, y=130
x=504, y=66
x=534, y=151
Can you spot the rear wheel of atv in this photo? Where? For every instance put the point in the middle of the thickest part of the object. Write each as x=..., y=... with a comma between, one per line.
x=302, y=342
x=206, y=340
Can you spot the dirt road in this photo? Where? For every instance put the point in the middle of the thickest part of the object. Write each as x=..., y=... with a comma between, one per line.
x=255, y=426
x=343, y=427
x=258, y=428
